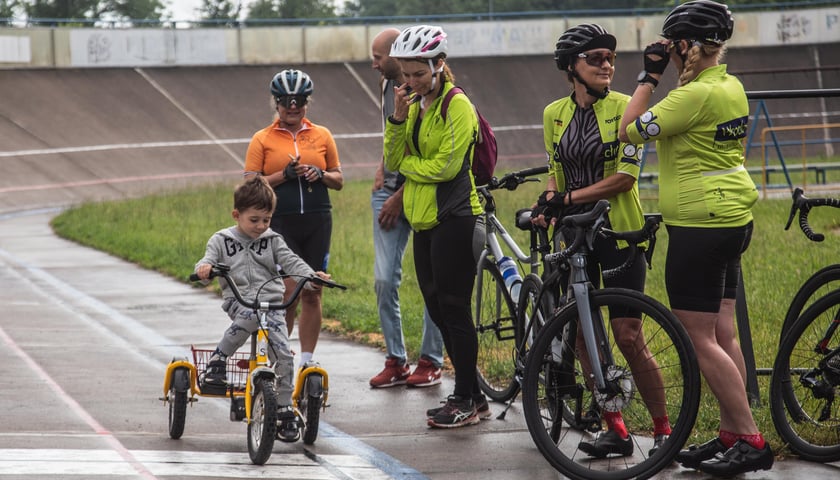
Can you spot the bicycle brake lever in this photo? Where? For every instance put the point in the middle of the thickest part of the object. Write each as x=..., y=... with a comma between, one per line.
x=797, y=195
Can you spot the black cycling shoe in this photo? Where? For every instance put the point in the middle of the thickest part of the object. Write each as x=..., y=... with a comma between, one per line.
x=658, y=441
x=287, y=425
x=691, y=457
x=741, y=458
x=608, y=443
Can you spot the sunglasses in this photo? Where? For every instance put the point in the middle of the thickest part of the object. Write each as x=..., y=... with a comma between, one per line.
x=597, y=59
x=289, y=100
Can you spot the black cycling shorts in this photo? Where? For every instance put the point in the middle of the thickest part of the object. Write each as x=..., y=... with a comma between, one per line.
x=703, y=265
x=308, y=235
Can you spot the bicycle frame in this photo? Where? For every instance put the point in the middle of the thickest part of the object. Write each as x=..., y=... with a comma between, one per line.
x=593, y=330
x=493, y=226
x=259, y=365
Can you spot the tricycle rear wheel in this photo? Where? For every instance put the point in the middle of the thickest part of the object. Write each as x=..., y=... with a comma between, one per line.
x=178, y=402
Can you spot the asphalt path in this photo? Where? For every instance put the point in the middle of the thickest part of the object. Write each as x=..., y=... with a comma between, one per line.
x=85, y=339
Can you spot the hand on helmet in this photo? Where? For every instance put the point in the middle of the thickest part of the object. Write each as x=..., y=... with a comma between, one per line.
x=656, y=58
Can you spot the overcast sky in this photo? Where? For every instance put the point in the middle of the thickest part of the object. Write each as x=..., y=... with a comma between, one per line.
x=183, y=9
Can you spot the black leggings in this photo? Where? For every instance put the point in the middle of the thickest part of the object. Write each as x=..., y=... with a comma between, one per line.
x=445, y=265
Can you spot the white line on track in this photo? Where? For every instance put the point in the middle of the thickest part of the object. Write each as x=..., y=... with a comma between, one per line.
x=90, y=463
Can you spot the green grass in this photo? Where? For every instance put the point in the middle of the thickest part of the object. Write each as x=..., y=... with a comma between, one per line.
x=168, y=233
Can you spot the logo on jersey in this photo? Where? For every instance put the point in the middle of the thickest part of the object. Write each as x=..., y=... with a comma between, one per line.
x=732, y=130
x=646, y=126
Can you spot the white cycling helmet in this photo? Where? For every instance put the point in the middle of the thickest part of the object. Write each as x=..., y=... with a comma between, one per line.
x=421, y=41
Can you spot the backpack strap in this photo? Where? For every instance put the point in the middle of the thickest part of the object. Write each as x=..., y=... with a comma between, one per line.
x=444, y=107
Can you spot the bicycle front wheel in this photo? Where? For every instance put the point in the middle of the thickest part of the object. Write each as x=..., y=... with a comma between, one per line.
x=495, y=315
x=804, y=383
x=555, y=382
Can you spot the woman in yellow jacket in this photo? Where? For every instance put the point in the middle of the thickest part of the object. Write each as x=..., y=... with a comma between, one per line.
x=441, y=204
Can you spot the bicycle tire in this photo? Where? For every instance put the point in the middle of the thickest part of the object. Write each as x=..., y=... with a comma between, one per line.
x=802, y=394
x=263, y=425
x=817, y=286
x=310, y=407
x=494, y=316
x=178, y=402
x=527, y=310
x=668, y=344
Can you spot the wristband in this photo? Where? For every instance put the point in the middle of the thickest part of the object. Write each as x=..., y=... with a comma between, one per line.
x=570, y=197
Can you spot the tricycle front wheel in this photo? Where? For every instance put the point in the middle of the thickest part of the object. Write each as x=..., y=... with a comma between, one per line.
x=263, y=425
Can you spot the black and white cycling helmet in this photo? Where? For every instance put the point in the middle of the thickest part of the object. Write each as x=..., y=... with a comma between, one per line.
x=420, y=41
x=581, y=38
x=291, y=82
x=702, y=20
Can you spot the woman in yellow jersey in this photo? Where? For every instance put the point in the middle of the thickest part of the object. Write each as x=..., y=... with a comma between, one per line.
x=705, y=196
x=587, y=163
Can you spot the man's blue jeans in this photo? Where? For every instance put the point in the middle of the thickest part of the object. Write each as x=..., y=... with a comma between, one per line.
x=389, y=248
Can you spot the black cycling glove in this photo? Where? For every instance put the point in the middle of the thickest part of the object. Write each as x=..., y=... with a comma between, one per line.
x=549, y=208
x=318, y=172
x=289, y=172
x=656, y=65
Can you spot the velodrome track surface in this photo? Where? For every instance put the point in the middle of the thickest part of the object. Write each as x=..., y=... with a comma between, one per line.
x=85, y=337
x=86, y=134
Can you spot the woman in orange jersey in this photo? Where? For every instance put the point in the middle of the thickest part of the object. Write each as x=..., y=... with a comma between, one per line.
x=300, y=161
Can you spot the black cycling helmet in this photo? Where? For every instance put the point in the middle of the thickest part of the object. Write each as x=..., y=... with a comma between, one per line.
x=703, y=20
x=291, y=82
x=578, y=39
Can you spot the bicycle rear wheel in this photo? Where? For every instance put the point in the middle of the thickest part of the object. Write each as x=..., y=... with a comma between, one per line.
x=804, y=383
x=495, y=316
x=311, y=400
x=552, y=385
x=818, y=285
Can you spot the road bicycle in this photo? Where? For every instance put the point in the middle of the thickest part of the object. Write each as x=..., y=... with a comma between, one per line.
x=495, y=296
x=563, y=381
x=806, y=373
x=251, y=379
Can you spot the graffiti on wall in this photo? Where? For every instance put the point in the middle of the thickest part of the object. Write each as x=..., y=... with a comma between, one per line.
x=142, y=47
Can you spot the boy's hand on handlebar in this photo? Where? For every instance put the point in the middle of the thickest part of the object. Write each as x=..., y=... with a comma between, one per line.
x=316, y=285
x=203, y=271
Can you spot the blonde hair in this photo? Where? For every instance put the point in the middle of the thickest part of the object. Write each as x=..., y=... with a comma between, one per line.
x=692, y=58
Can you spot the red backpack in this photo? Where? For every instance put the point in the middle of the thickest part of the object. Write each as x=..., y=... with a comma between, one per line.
x=486, y=153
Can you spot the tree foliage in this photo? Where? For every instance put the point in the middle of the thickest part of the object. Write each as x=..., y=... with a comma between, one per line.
x=384, y=8
x=268, y=9
x=83, y=9
x=220, y=10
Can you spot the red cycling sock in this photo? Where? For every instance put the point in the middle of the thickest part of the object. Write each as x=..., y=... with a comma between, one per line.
x=756, y=440
x=728, y=438
x=615, y=422
x=661, y=425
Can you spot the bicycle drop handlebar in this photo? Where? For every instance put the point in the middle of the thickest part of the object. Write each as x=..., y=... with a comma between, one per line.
x=588, y=225
x=804, y=205
x=512, y=180
x=222, y=270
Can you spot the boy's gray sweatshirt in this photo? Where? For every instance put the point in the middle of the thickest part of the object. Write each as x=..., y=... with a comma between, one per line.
x=253, y=261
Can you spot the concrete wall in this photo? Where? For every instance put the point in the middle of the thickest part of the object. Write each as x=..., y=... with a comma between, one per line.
x=98, y=47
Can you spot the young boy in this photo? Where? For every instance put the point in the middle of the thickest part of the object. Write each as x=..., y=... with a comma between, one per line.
x=253, y=251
